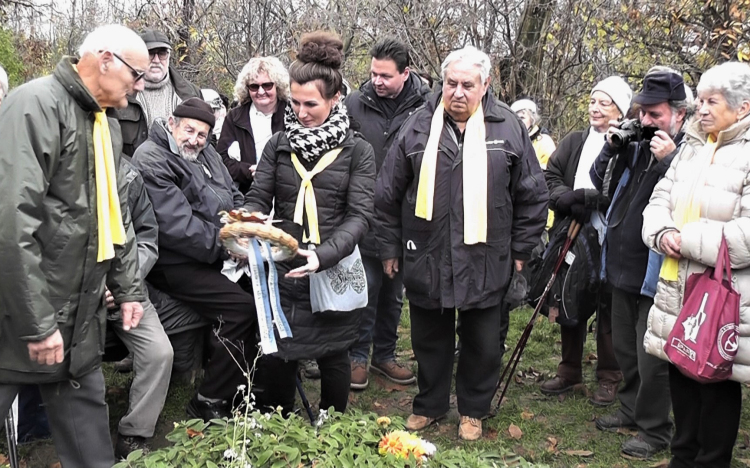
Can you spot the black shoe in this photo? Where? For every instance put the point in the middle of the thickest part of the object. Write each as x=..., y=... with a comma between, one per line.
x=310, y=369
x=125, y=366
x=207, y=410
x=636, y=447
x=127, y=444
x=613, y=422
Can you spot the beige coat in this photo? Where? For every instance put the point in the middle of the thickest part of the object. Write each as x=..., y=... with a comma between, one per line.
x=725, y=204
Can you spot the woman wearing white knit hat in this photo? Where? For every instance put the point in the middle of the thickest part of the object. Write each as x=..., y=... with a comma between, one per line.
x=572, y=194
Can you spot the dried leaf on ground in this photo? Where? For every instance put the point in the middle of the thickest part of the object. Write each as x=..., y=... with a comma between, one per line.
x=490, y=434
x=551, y=444
x=626, y=431
x=3, y=459
x=591, y=357
x=744, y=461
x=377, y=404
x=405, y=401
x=660, y=464
x=526, y=415
x=193, y=433
x=515, y=432
x=389, y=386
x=578, y=453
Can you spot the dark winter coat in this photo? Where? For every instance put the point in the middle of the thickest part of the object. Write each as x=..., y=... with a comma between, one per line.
x=50, y=279
x=380, y=129
x=144, y=220
x=187, y=197
x=439, y=269
x=635, y=174
x=133, y=119
x=237, y=128
x=343, y=192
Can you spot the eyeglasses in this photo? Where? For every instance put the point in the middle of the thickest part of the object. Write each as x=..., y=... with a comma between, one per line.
x=162, y=53
x=136, y=74
x=254, y=87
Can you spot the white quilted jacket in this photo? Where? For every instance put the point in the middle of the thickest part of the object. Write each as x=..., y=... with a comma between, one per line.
x=725, y=204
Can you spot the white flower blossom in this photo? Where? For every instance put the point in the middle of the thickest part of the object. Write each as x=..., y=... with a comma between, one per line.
x=230, y=454
x=241, y=388
x=258, y=435
x=429, y=448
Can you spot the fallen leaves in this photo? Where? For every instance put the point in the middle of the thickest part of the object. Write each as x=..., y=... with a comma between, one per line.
x=578, y=453
x=4, y=460
x=660, y=464
x=551, y=445
x=515, y=432
x=744, y=461
x=526, y=415
x=192, y=433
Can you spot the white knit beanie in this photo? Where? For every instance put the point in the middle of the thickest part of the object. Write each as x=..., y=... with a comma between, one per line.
x=617, y=89
x=523, y=104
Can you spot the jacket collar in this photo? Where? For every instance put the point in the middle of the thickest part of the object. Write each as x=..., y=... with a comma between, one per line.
x=738, y=131
x=71, y=80
x=286, y=147
x=161, y=135
x=493, y=110
x=241, y=116
x=369, y=97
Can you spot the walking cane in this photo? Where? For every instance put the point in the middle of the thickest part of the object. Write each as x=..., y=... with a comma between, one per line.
x=10, y=432
x=305, y=401
x=573, y=230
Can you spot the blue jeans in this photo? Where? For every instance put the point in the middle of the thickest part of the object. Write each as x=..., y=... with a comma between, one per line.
x=381, y=316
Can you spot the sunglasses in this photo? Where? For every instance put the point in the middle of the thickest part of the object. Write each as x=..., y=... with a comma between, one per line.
x=255, y=86
x=162, y=53
x=136, y=74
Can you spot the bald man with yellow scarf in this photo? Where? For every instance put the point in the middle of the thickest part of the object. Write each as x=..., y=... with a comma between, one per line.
x=460, y=204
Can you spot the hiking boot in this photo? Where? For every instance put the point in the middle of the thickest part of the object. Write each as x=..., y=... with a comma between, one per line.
x=124, y=366
x=613, y=422
x=636, y=447
x=127, y=444
x=416, y=422
x=470, y=428
x=359, y=376
x=604, y=395
x=310, y=369
x=208, y=410
x=394, y=372
x=557, y=386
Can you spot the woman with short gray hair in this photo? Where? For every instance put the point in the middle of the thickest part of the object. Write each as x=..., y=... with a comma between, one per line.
x=262, y=90
x=705, y=195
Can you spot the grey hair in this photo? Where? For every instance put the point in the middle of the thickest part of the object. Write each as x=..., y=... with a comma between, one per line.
x=111, y=37
x=270, y=65
x=535, y=117
x=471, y=55
x=688, y=103
x=3, y=82
x=731, y=79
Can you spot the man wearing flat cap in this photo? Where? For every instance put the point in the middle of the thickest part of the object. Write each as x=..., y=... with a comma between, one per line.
x=164, y=89
x=632, y=271
x=189, y=185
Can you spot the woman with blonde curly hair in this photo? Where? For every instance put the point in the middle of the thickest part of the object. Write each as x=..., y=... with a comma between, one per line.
x=262, y=90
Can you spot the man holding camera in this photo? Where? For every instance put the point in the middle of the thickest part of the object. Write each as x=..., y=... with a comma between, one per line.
x=638, y=154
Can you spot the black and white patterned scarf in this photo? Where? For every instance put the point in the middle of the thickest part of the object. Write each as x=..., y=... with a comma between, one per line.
x=312, y=143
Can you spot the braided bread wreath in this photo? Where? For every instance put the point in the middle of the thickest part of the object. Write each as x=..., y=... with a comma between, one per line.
x=240, y=224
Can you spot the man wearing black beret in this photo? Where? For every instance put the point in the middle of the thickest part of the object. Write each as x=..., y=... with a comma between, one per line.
x=188, y=186
x=665, y=103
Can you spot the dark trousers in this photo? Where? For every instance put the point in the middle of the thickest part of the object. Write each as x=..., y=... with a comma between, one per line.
x=275, y=382
x=78, y=419
x=433, y=334
x=707, y=418
x=573, y=339
x=380, y=318
x=644, y=398
x=232, y=311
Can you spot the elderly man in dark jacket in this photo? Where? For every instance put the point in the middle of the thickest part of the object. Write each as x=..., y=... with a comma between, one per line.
x=188, y=186
x=665, y=104
x=462, y=199
x=381, y=106
x=64, y=230
x=164, y=89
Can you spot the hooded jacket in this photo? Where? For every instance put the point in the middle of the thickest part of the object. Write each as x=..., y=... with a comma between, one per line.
x=343, y=193
x=133, y=120
x=440, y=271
x=187, y=197
x=725, y=207
x=380, y=129
x=50, y=279
x=237, y=128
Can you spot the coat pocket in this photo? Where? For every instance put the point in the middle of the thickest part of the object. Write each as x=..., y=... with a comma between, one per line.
x=420, y=265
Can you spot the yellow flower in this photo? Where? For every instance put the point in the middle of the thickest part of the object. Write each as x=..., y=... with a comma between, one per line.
x=384, y=421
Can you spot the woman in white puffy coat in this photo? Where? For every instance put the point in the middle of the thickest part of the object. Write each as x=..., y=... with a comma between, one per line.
x=712, y=169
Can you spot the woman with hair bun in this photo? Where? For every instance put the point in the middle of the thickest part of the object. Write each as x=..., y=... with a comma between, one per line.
x=338, y=168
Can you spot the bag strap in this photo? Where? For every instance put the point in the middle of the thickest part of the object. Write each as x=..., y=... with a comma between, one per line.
x=723, y=263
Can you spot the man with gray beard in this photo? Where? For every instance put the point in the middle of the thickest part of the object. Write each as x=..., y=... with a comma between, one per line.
x=189, y=185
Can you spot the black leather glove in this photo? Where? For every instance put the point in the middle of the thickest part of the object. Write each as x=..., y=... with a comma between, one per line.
x=580, y=213
x=564, y=203
x=517, y=290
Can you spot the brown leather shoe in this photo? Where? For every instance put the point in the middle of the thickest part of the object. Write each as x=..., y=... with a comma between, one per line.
x=359, y=376
x=394, y=372
x=604, y=395
x=415, y=422
x=470, y=428
x=557, y=386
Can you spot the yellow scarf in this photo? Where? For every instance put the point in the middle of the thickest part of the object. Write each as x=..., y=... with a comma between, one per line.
x=109, y=217
x=688, y=209
x=474, y=175
x=306, y=195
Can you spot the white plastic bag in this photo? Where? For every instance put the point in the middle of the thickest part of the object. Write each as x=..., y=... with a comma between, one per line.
x=341, y=288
